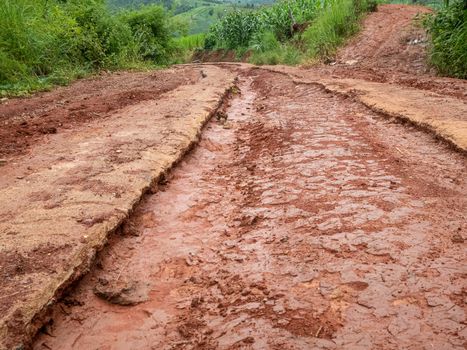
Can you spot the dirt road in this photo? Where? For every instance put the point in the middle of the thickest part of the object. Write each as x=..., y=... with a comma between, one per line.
x=308, y=216
x=300, y=225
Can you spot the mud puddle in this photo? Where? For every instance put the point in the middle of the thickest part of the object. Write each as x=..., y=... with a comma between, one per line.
x=303, y=221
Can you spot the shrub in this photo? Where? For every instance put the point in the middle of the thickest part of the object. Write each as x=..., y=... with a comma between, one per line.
x=45, y=42
x=151, y=30
x=448, y=31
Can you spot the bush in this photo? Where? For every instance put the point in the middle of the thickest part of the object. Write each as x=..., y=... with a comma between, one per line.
x=150, y=27
x=44, y=42
x=448, y=31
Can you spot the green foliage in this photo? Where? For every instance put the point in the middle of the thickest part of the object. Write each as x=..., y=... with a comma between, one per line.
x=199, y=14
x=334, y=24
x=99, y=39
x=238, y=28
x=45, y=42
x=202, y=15
x=190, y=42
x=448, y=30
x=150, y=28
x=185, y=46
x=290, y=31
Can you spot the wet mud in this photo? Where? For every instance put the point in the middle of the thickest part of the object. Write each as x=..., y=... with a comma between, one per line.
x=302, y=221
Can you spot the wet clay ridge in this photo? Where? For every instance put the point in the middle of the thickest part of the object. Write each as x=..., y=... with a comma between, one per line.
x=61, y=200
x=25, y=121
x=306, y=217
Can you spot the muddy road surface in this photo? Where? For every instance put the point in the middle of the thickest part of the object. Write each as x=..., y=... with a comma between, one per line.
x=303, y=221
x=227, y=206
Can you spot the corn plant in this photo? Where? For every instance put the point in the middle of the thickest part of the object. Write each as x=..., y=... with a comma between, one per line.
x=238, y=28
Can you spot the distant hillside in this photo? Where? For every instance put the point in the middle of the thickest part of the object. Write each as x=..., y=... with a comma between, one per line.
x=183, y=4
x=204, y=14
x=199, y=14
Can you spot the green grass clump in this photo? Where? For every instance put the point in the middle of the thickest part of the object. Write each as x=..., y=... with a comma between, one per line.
x=47, y=42
x=186, y=46
x=448, y=31
x=333, y=25
x=190, y=42
x=267, y=49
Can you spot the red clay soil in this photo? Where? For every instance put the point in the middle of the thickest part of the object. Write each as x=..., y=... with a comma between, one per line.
x=61, y=200
x=305, y=221
x=24, y=121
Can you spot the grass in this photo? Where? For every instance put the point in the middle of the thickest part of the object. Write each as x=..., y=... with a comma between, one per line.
x=448, y=33
x=186, y=46
x=49, y=42
x=333, y=26
x=191, y=42
x=267, y=49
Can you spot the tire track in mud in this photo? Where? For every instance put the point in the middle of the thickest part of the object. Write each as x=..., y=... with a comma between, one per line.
x=304, y=221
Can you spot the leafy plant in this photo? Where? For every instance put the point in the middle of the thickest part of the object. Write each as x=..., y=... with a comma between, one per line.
x=45, y=42
x=290, y=30
x=150, y=28
x=448, y=31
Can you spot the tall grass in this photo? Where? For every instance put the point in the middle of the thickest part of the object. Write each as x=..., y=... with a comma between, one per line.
x=334, y=24
x=186, y=46
x=190, y=42
x=448, y=31
x=267, y=49
x=45, y=42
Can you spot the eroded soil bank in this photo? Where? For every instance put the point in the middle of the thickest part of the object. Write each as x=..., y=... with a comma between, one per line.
x=303, y=221
x=61, y=200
